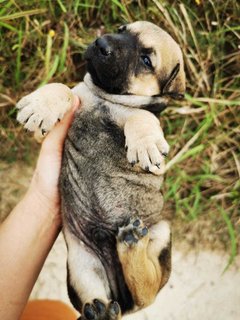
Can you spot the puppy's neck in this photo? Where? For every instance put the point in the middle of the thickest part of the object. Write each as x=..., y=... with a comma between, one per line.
x=154, y=104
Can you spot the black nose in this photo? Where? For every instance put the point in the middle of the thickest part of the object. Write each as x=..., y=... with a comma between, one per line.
x=104, y=46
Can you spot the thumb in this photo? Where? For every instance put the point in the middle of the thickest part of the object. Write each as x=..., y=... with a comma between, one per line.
x=56, y=137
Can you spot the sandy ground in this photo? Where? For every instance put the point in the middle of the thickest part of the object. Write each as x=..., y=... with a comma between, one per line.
x=198, y=289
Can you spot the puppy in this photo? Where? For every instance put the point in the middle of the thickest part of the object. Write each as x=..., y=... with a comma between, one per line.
x=118, y=242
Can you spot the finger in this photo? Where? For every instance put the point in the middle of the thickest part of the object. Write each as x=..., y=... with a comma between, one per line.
x=76, y=102
x=57, y=135
x=60, y=130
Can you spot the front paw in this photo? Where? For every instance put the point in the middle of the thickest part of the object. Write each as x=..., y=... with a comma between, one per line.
x=43, y=108
x=148, y=152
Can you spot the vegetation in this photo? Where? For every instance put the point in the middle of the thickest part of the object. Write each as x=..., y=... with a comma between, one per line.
x=44, y=41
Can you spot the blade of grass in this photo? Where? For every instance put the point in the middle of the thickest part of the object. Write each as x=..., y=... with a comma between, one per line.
x=192, y=152
x=8, y=26
x=174, y=186
x=26, y=13
x=5, y=7
x=191, y=29
x=196, y=204
x=186, y=147
x=123, y=9
x=193, y=209
x=64, y=49
x=51, y=71
x=48, y=51
x=83, y=5
x=119, y=5
x=18, y=59
x=218, y=101
x=61, y=5
x=232, y=237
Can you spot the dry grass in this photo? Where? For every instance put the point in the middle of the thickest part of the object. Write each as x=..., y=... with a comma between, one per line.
x=44, y=42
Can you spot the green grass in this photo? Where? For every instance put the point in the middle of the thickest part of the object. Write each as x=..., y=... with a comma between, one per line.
x=232, y=237
x=44, y=41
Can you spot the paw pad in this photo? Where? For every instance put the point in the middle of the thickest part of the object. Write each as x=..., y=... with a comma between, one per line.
x=131, y=233
x=98, y=310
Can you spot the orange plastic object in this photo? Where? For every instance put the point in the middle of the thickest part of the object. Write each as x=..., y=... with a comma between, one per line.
x=48, y=310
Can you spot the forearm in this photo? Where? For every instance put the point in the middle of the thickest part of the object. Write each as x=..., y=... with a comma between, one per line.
x=26, y=238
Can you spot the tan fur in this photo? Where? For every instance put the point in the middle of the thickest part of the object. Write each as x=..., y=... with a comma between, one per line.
x=142, y=137
x=143, y=273
x=46, y=106
x=138, y=85
x=166, y=54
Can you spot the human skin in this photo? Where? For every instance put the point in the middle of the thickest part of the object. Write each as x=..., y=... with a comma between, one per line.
x=30, y=230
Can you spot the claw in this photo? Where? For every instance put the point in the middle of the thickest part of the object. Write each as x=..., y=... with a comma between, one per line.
x=25, y=121
x=44, y=132
x=147, y=169
x=133, y=163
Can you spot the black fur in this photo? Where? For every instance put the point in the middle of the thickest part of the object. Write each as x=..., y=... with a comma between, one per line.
x=101, y=191
x=110, y=72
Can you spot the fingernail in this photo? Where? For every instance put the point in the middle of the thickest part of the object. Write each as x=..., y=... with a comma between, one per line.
x=76, y=103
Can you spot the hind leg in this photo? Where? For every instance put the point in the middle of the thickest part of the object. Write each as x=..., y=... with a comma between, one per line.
x=87, y=282
x=145, y=258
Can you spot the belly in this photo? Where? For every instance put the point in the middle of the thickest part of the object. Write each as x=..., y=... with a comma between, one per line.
x=98, y=186
x=100, y=190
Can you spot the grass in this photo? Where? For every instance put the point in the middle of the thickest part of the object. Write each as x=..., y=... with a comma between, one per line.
x=44, y=41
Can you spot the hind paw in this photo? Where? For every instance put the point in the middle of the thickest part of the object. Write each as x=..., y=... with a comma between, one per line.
x=132, y=233
x=98, y=310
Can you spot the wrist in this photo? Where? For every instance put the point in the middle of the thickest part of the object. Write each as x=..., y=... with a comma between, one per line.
x=39, y=206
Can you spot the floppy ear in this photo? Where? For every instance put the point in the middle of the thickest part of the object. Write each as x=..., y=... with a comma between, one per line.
x=174, y=85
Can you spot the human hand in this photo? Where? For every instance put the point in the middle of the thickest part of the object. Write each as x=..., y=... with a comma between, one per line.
x=44, y=190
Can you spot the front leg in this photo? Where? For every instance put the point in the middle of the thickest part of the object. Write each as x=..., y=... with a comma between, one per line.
x=145, y=142
x=42, y=109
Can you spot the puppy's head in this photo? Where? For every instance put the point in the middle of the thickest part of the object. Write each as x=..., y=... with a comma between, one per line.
x=141, y=59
